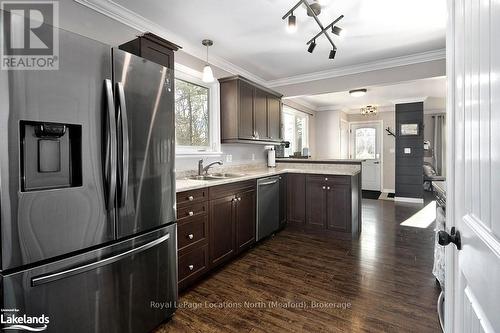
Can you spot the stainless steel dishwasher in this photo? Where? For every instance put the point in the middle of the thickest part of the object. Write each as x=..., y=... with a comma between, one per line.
x=268, y=204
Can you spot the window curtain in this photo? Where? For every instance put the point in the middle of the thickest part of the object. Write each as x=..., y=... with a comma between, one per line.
x=439, y=158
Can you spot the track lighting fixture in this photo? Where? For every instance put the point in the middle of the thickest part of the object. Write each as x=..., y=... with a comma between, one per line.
x=313, y=10
x=292, y=23
x=311, y=47
x=338, y=31
x=332, y=54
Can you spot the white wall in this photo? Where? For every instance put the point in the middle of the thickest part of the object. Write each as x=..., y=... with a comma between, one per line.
x=327, y=133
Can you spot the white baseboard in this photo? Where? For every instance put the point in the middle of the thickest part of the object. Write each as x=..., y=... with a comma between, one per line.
x=405, y=199
x=388, y=190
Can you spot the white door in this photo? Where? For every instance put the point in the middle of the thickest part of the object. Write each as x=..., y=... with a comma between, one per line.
x=473, y=274
x=366, y=145
x=344, y=139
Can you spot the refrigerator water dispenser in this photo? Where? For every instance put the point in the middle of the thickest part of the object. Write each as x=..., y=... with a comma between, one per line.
x=50, y=155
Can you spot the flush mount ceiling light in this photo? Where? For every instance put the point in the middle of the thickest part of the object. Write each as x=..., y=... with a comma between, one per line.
x=208, y=75
x=369, y=110
x=357, y=92
x=314, y=9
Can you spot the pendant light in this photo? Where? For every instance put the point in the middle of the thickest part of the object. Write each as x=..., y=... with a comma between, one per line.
x=208, y=75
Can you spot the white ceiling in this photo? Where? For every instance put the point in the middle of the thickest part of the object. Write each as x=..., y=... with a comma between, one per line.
x=433, y=90
x=252, y=36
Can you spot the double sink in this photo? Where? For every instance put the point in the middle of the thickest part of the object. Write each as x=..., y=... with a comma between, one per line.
x=216, y=176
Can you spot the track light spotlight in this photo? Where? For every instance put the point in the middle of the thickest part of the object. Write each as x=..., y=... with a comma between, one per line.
x=311, y=46
x=332, y=54
x=292, y=23
x=338, y=31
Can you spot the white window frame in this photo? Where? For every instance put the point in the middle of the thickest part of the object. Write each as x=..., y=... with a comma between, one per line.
x=214, y=149
x=291, y=111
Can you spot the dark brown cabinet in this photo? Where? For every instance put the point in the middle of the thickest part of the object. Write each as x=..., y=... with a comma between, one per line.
x=296, y=198
x=249, y=112
x=316, y=201
x=245, y=220
x=232, y=220
x=153, y=48
x=283, y=199
x=222, y=229
x=339, y=207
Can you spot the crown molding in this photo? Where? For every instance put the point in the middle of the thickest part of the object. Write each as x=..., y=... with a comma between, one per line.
x=302, y=102
x=360, y=68
x=409, y=100
x=130, y=18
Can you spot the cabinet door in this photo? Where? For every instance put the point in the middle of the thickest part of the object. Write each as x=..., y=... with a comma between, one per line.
x=316, y=201
x=157, y=53
x=260, y=114
x=245, y=220
x=296, y=200
x=283, y=200
x=273, y=117
x=339, y=207
x=245, y=124
x=221, y=229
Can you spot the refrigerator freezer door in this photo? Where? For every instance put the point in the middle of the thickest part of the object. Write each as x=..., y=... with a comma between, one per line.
x=130, y=286
x=46, y=221
x=146, y=181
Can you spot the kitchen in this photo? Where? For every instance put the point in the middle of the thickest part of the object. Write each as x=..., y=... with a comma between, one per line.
x=159, y=178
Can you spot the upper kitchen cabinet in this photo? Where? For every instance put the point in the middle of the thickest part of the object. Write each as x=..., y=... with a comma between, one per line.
x=153, y=48
x=249, y=113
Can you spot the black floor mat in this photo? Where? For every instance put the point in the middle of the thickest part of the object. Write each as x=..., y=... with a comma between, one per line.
x=371, y=194
x=391, y=195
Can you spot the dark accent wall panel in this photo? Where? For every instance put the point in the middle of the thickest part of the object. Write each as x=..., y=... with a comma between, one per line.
x=409, y=176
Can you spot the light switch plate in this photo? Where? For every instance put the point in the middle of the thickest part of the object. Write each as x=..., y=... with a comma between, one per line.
x=407, y=150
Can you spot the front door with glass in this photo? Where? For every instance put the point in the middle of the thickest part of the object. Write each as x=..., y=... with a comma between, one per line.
x=366, y=145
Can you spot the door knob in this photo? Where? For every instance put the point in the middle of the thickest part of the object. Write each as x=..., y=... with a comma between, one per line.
x=444, y=238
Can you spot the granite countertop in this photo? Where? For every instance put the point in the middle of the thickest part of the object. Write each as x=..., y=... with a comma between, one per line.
x=322, y=161
x=184, y=184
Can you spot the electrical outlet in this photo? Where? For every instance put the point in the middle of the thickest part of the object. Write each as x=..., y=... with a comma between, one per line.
x=229, y=158
x=407, y=150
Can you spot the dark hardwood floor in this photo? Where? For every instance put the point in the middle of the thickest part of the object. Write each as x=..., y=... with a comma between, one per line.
x=379, y=283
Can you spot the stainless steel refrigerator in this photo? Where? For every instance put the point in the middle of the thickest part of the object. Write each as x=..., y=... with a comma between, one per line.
x=87, y=191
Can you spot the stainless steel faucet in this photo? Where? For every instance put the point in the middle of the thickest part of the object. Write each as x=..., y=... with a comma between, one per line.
x=202, y=169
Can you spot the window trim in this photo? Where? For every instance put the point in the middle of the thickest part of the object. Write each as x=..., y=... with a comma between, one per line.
x=214, y=149
x=297, y=113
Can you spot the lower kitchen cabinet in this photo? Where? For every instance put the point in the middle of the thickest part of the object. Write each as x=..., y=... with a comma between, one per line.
x=222, y=229
x=245, y=219
x=332, y=204
x=296, y=198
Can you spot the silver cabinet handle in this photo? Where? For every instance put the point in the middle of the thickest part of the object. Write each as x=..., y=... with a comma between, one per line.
x=36, y=281
x=326, y=178
x=268, y=183
x=239, y=199
x=190, y=198
x=190, y=236
x=191, y=267
x=324, y=187
x=328, y=188
x=191, y=213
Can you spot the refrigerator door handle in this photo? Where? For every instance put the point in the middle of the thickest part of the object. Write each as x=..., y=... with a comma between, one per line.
x=39, y=280
x=111, y=146
x=123, y=167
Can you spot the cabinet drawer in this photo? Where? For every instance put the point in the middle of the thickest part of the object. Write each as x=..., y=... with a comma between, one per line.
x=192, y=231
x=192, y=196
x=187, y=212
x=193, y=263
x=225, y=190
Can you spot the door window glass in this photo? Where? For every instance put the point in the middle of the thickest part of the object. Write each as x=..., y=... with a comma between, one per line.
x=365, y=143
